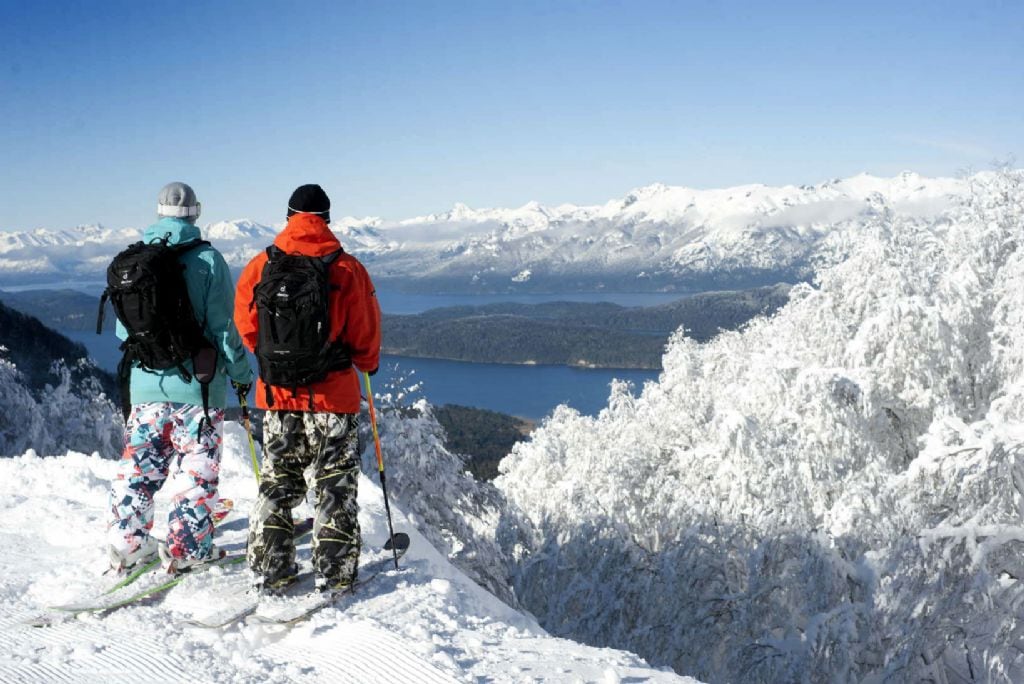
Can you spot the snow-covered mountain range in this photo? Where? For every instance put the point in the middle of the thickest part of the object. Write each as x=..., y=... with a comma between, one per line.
x=657, y=237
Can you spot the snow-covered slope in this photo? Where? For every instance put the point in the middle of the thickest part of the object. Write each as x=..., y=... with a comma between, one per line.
x=427, y=623
x=832, y=494
x=656, y=237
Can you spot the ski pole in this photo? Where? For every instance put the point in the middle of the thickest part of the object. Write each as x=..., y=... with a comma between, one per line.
x=244, y=403
x=380, y=465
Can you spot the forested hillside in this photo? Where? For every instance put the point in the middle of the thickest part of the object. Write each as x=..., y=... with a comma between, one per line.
x=483, y=437
x=53, y=398
x=573, y=333
x=33, y=348
x=64, y=309
x=597, y=334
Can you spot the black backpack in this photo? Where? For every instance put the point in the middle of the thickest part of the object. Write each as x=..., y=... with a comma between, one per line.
x=293, y=344
x=146, y=286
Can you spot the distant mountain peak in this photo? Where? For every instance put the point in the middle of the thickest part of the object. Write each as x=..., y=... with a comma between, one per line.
x=238, y=229
x=669, y=230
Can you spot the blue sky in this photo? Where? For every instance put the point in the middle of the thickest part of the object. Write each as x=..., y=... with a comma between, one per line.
x=400, y=109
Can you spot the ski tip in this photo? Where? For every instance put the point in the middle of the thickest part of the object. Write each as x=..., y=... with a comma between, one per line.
x=399, y=541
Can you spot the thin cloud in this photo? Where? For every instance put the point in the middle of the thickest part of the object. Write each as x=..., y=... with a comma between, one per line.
x=958, y=147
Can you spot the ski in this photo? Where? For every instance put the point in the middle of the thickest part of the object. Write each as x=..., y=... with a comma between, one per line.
x=301, y=529
x=102, y=604
x=142, y=569
x=160, y=586
x=221, y=510
x=228, y=617
x=293, y=614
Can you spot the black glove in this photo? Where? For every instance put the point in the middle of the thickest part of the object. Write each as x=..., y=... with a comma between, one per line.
x=373, y=372
x=241, y=388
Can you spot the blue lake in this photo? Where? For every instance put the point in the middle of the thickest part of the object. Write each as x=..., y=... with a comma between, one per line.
x=525, y=391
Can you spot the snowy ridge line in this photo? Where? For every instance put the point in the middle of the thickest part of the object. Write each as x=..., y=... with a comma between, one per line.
x=654, y=237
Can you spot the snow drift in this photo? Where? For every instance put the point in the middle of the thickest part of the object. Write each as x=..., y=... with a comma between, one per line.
x=834, y=494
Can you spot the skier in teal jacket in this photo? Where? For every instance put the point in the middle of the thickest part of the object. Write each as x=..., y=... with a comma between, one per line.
x=167, y=427
x=212, y=293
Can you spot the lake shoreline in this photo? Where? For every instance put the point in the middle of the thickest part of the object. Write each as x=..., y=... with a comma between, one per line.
x=530, y=364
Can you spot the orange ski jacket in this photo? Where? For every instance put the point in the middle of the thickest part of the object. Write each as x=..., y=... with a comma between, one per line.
x=355, y=317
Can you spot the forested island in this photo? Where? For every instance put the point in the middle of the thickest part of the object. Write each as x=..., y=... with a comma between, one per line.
x=598, y=335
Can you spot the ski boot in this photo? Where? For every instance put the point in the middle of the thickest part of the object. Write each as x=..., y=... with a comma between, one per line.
x=174, y=565
x=327, y=585
x=278, y=584
x=123, y=563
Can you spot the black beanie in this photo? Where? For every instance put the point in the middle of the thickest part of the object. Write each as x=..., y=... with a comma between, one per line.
x=310, y=199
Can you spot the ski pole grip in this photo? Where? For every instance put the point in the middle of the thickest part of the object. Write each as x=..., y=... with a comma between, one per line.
x=243, y=401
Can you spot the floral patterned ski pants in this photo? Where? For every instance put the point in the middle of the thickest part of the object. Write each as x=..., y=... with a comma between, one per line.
x=157, y=437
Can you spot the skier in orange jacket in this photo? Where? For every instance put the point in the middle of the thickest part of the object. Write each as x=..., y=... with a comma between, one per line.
x=287, y=296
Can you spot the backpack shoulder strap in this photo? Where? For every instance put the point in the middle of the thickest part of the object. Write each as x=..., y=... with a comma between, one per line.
x=275, y=252
x=187, y=246
x=329, y=259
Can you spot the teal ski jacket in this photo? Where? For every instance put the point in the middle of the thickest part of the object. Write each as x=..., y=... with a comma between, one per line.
x=213, y=299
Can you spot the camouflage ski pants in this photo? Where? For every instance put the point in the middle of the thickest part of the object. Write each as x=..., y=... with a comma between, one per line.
x=295, y=440
x=157, y=436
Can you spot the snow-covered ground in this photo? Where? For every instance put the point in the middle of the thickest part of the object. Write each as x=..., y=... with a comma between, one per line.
x=425, y=623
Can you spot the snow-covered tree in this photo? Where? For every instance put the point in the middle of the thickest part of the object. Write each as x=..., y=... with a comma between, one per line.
x=831, y=494
x=21, y=423
x=74, y=413
x=78, y=414
x=467, y=519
